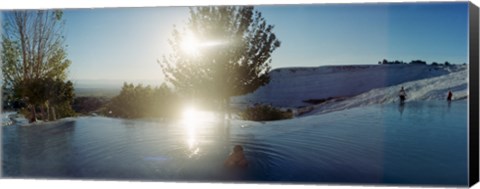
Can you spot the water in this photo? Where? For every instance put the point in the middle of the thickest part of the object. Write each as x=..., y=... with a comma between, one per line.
x=419, y=143
x=6, y=118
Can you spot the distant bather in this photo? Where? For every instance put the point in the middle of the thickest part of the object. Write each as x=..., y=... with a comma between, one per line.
x=449, y=96
x=403, y=95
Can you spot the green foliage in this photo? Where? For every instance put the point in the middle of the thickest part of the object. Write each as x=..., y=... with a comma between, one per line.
x=10, y=62
x=232, y=55
x=139, y=101
x=63, y=100
x=35, y=63
x=64, y=110
x=265, y=113
x=52, y=97
x=89, y=104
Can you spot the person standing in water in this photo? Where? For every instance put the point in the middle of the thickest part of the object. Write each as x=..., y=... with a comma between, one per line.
x=449, y=96
x=402, y=94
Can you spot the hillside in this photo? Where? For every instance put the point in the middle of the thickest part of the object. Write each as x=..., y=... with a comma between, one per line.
x=425, y=89
x=300, y=87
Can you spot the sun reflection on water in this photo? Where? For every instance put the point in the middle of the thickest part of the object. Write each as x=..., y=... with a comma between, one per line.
x=193, y=120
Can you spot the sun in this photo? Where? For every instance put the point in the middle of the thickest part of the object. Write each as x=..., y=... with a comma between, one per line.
x=190, y=44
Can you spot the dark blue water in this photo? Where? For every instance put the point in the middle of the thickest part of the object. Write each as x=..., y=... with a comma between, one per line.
x=418, y=143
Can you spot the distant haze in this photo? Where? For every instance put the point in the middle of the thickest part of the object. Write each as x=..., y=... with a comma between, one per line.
x=106, y=88
x=105, y=83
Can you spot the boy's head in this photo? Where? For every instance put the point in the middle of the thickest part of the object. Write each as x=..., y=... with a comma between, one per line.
x=237, y=148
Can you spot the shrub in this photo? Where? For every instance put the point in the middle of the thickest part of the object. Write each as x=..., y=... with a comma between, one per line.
x=385, y=61
x=418, y=62
x=143, y=102
x=90, y=104
x=265, y=113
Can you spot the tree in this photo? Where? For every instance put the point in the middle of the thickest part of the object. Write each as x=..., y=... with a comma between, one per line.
x=223, y=52
x=32, y=52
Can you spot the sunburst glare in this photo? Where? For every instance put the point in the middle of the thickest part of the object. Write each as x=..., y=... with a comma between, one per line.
x=193, y=117
x=190, y=44
x=190, y=114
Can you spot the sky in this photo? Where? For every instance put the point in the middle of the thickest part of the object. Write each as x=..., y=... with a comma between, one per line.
x=368, y=33
x=126, y=43
x=120, y=43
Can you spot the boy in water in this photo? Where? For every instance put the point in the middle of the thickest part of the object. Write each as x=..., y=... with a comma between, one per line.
x=237, y=158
